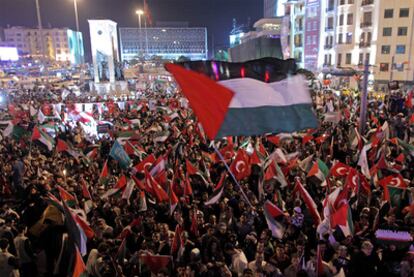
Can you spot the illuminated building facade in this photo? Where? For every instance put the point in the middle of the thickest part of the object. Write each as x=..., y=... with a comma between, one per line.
x=169, y=43
x=60, y=44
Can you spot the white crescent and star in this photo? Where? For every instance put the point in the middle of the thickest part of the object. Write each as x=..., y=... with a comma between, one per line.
x=341, y=171
x=240, y=164
x=396, y=181
x=147, y=165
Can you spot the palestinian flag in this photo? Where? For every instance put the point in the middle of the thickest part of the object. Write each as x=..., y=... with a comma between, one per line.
x=309, y=202
x=79, y=267
x=271, y=213
x=407, y=148
x=217, y=193
x=68, y=198
x=191, y=169
x=103, y=177
x=63, y=146
x=319, y=170
x=43, y=137
x=15, y=131
x=227, y=107
x=343, y=219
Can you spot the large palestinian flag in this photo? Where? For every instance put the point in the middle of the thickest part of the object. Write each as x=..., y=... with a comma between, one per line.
x=246, y=99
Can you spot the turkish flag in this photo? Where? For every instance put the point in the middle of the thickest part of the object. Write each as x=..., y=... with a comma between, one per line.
x=339, y=169
x=241, y=165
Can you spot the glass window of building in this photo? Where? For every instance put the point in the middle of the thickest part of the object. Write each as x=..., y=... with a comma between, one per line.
x=338, y=62
x=348, y=38
x=350, y=2
x=400, y=49
x=348, y=58
x=341, y=20
x=340, y=39
x=404, y=12
x=402, y=31
x=387, y=32
x=385, y=49
x=361, y=58
x=350, y=19
x=384, y=67
x=388, y=13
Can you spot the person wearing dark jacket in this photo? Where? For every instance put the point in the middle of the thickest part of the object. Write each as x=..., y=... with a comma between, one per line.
x=364, y=263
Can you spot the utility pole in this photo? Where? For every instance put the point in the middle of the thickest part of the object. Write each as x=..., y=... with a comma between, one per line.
x=392, y=68
x=364, y=96
x=42, y=42
x=75, y=5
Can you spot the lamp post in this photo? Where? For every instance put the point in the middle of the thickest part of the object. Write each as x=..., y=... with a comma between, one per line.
x=75, y=6
x=42, y=42
x=139, y=13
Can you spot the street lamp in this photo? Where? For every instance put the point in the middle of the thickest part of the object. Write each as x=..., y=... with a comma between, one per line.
x=75, y=6
x=139, y=13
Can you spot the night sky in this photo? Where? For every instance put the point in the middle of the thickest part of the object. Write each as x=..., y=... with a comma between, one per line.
x=216, y=15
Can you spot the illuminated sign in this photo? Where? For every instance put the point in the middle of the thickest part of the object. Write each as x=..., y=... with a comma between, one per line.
x=8, y=54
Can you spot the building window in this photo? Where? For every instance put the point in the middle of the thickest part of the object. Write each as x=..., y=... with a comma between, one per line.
x=342, y=2
x=340, y=39
x=385, y=49
x=350, y=2
x=338, y=62
x=404, y=12
x=402, y=31
x=348, y=38
x=384, y=67
x=387, y=32
x=348, y=58
x=367, y=57
x=388, y=13
x=350, y=19
x=400, y=49
x=341, y=20
x=361, y=58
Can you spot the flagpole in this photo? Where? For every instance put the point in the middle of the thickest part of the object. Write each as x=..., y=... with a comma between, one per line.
x=231, y=174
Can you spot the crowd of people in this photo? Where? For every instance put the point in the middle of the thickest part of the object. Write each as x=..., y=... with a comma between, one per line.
x=175, y=210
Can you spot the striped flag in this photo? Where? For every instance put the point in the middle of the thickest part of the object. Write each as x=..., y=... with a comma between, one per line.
x=228, y=108
x=217, y=193
x=309, y=202
x=271, y=212
x=43, y=137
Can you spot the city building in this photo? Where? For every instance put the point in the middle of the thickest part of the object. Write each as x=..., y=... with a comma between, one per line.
x=264, y=41
x=237, y=32
x=168, y=43
x=394, y=55
x=62, y=45
x=274, y=8
x=379, y=31
x=295, y=11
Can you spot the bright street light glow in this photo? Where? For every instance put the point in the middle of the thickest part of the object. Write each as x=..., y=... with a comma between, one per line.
x=139, y=12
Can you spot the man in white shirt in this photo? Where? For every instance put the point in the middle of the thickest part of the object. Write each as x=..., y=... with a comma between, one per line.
x=238, y=259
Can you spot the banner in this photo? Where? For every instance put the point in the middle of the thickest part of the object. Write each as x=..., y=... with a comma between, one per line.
x=119, y=154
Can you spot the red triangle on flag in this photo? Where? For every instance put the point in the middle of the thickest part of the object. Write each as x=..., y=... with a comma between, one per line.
x=340, y=216
x=36, y=133
x=191, y=170
x=61, y=146
x=121, y=183
x=209, y=100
